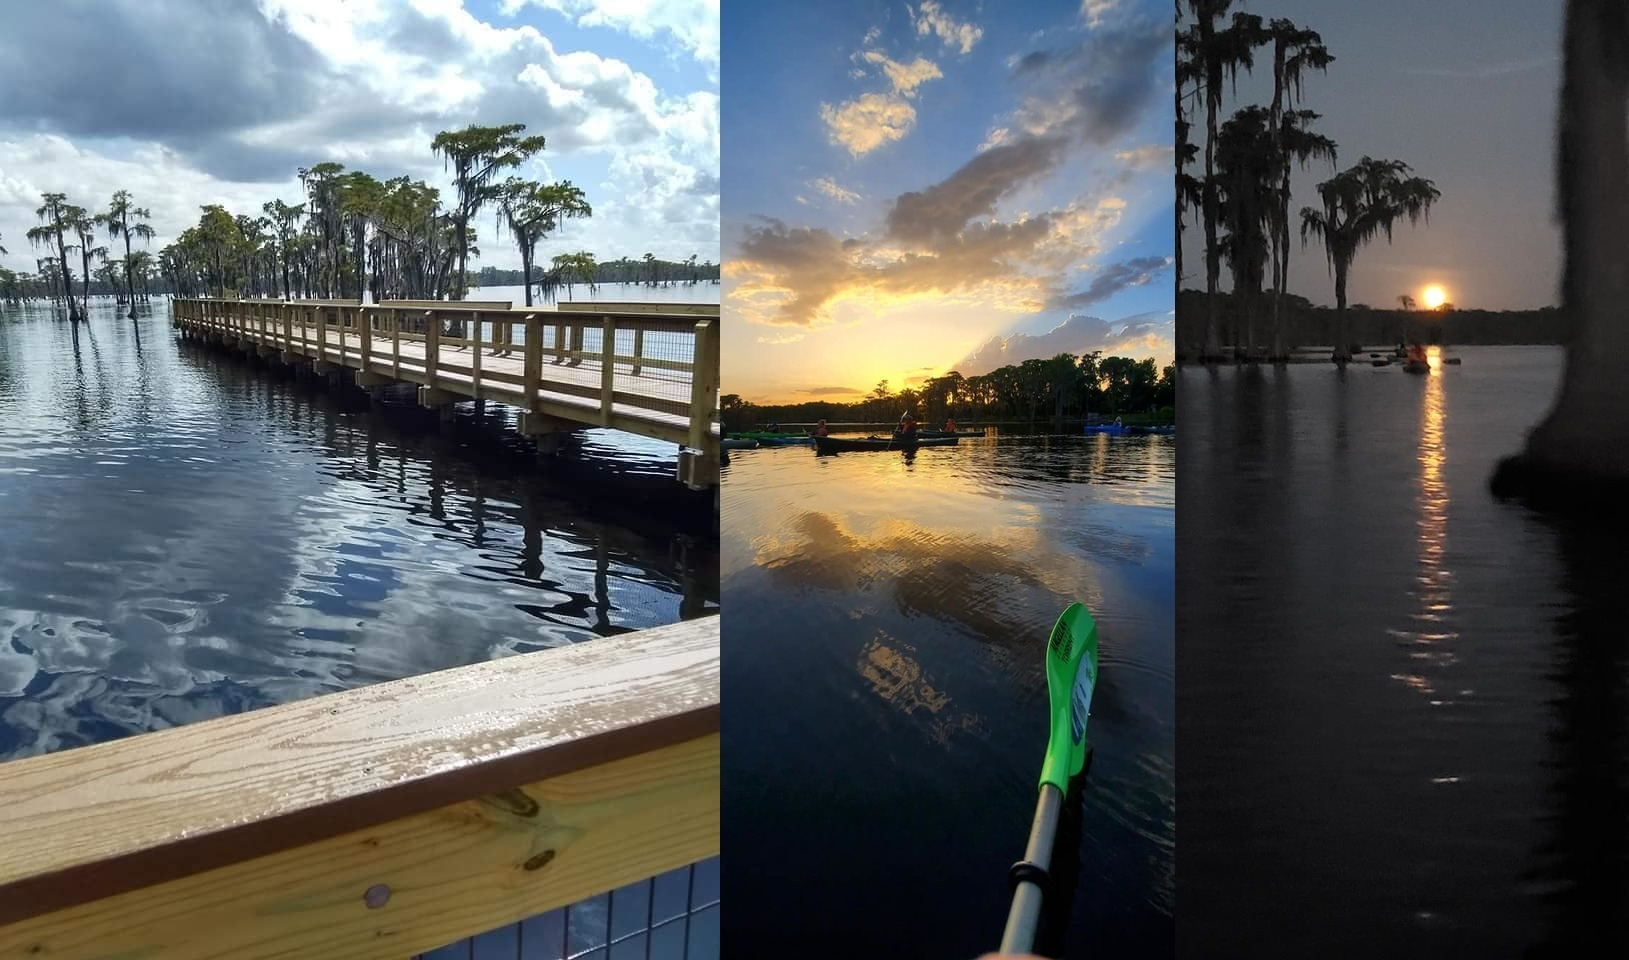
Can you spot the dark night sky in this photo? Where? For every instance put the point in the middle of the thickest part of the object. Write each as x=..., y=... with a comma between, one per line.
x=1465, y=92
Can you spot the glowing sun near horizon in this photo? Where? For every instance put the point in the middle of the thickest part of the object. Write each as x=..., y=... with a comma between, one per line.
x=1434, y=296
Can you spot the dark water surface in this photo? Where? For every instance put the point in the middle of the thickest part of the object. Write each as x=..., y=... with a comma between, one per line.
x=885, y=695
x=1402, y=703
x=184, y=535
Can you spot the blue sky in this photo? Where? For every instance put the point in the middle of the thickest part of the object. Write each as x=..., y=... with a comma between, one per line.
x=911, y=188
x=625, y=91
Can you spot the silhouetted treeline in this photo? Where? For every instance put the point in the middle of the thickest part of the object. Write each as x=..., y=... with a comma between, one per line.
x=1307, y=325
x=1064, y=387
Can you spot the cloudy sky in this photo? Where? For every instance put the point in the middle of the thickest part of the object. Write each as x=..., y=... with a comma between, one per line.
x=189, y=102
x=1465, y=94
x=945, y=184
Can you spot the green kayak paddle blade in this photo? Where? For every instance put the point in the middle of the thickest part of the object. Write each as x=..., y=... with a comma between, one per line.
x=1071, y=675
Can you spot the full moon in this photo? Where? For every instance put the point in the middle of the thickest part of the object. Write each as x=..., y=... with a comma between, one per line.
x=1435, y=296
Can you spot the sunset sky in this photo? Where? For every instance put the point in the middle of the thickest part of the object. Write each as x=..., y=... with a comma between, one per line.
x=1465, y=94
x=916, y=188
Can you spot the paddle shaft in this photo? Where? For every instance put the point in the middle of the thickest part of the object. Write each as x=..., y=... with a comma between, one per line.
x=1026, y=900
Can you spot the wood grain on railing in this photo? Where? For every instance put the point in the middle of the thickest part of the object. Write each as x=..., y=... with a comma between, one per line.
x=472, y=795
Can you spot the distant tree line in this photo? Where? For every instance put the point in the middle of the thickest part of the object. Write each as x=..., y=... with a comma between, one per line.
x=649, y=271
x=1243, y=192
x=1066, y=386
x=1305, y=323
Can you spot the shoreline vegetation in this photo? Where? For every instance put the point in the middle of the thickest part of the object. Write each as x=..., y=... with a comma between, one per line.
x=1243, y=188
x=1064, y=389
x=353, y=233
x=1305, y=324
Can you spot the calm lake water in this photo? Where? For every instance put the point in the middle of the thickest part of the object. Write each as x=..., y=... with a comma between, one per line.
x=886, y=705
x=183, y=535
x=1402, y=702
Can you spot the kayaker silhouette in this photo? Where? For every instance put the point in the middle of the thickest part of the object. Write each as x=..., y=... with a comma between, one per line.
x=907, y=426
x=820, y=429
x=950, y=424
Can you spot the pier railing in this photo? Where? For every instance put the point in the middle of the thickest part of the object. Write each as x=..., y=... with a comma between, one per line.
x=650, y=369
x=380, y=822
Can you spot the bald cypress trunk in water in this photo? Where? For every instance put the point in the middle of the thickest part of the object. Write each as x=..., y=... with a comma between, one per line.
x=1586, y=435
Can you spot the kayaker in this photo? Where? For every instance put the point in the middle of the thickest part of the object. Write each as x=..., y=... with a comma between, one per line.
x=907, y=426
x=774, y=426
x=820, y=429
x=1117, y=424
x=950, y=424
x=1416, y=353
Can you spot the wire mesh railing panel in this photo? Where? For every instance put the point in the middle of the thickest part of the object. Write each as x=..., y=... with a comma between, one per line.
x=672, y=916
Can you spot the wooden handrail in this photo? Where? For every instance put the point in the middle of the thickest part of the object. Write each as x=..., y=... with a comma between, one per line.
x=597, y=307
x=498, y=787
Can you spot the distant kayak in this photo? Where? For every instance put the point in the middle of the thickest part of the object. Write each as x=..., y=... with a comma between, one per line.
x=772, y=435
x=1105, y=428
x=738, y=443
x=766, y=441
x=841, y=444
x=940, y=434
x=1416, y=367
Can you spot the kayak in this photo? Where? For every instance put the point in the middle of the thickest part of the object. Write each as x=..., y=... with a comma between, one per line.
x=945, y=433
x=737, y=443
x=767, y=435
x=1105, y=428
x=837, y=444
x=1414, y=366
x=1152, y=431
x=765, y=441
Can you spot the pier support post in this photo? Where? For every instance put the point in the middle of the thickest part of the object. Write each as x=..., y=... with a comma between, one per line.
x=548, y=433
x=441, y=401
x=698, y=469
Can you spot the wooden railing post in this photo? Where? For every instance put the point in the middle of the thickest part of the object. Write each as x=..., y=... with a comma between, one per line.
x=531, y=368
x=638, y=347
x=432, y=345
x=703, y=388
x=340, y=314
x=367, y=335
x=396, y=343
x=475, y=358
x=608, y=368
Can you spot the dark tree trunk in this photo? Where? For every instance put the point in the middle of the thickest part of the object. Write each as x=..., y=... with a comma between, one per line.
x=1585, y=435
x=1343, y=350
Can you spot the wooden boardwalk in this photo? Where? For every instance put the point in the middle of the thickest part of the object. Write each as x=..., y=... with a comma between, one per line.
x=647, y=369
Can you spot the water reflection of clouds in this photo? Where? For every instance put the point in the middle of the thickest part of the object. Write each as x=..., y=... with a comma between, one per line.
x=898, y=679
x=974, y=579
